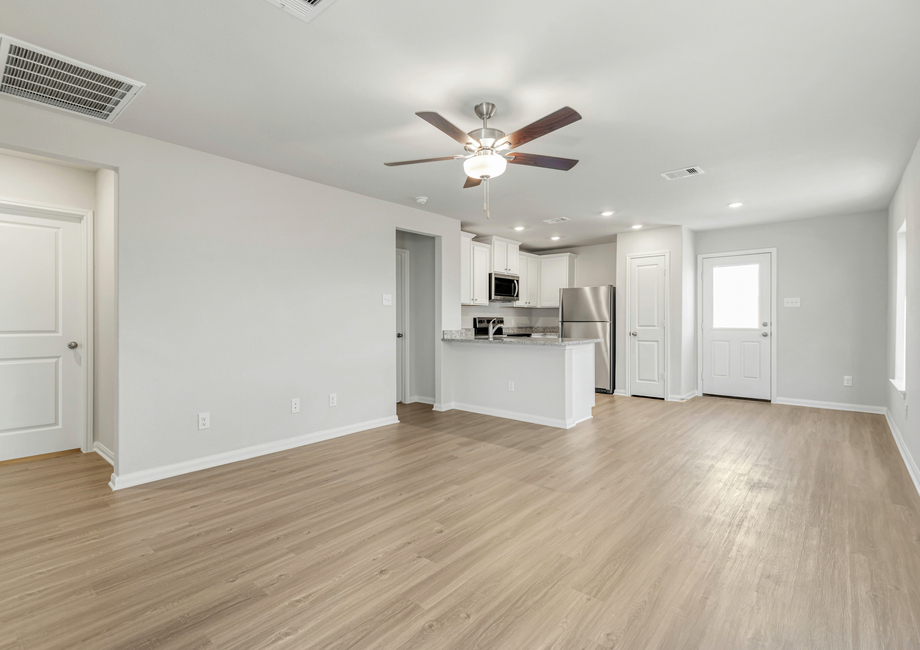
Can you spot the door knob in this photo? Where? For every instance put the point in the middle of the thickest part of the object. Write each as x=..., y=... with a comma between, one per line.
x=72, y=345
x=399, y=335
x=764, y=334
x=633, y=334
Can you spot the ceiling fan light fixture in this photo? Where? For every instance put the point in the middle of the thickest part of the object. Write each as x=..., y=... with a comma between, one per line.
x=485, y=165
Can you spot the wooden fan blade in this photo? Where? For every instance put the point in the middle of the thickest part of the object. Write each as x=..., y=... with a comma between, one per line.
x=552, y=122
x=548, y=162
x=471, y=182
x=441, y=124
x=415, y=162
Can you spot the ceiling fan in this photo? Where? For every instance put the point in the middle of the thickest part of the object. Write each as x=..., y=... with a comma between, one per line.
x=489, y=150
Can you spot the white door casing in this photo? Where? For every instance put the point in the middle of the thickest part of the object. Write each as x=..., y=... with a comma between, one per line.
x=736, y=321
x=402, y=325
x=45, y=287
x=646, y=322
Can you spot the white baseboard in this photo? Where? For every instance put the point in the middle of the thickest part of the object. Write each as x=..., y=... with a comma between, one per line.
x=912, y=468
x=421, y=400
x=513, y=415
x=188, y=466
x=105, y=452
x=446, y=406
x=620, y=392
x=683, y=398
x=833, y=406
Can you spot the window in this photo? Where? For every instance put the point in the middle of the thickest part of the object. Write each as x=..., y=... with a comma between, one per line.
x=736, y=297
x=900, y=327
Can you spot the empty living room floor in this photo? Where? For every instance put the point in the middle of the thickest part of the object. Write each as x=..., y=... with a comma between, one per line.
x=712, y=523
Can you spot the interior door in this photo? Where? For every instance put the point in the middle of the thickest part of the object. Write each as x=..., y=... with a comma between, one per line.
x=400, y=326
x=737, y=327
x=647, y=326
x=42, y=335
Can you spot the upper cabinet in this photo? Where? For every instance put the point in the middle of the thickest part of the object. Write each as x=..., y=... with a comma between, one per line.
x=466, y=268
x=481, y=260
x=556, y=272
x=505, y=254
x=530, y=281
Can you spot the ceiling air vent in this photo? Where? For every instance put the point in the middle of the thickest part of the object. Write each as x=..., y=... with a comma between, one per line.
x=683, y=173
x=39, y=76
x=306, y=10
x=556, y=220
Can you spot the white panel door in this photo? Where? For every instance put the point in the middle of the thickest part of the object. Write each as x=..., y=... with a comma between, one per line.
x=737, y=328
x=647, y=326
x=42, y=310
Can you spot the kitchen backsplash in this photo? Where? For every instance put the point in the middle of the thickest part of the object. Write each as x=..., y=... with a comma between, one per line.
x=514, y=316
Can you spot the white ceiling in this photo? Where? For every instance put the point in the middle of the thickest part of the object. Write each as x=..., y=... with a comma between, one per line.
x=798, y=109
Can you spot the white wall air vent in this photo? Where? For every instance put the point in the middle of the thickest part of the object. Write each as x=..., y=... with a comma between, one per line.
x=556, y=220
x=683, y=173
x=306, y=10
x=39, y=76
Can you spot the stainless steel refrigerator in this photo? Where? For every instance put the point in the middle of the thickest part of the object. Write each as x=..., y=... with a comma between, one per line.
x=590, y=313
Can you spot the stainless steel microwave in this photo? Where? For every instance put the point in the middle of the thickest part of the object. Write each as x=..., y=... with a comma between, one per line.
x=504, y=287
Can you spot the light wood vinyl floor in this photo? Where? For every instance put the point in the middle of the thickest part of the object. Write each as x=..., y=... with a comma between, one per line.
x=707, y=524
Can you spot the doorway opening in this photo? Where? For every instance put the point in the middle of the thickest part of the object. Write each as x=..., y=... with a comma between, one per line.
x=416, y=307
x=737, y=319
x=57, y=322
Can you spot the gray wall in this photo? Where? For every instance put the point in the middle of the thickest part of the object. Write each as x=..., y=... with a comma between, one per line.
x=421, y=315
x=838, y=266
x=240, y=288
x=105, y=323
x=906, y=207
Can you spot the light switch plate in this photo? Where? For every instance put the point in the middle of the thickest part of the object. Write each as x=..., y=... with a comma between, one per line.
x=387, y=299
x=792, y=302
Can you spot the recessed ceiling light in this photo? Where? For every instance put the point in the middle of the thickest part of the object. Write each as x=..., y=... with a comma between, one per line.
x=519, y=227
x=554, y=238
x=735, y=205
x=637, y=226
x=607, y=213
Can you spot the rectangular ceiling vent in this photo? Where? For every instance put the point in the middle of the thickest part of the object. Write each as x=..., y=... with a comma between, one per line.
x=42, y=77
x=683, y=173
x=306, y=10
x=556, y=220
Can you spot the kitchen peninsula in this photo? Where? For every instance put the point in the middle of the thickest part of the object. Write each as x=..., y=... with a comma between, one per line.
x=541, y=380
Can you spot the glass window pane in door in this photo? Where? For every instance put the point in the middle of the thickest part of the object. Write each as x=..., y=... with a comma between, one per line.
x=736, y=297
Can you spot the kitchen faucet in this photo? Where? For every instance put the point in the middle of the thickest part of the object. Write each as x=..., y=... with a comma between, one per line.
x=492, y=328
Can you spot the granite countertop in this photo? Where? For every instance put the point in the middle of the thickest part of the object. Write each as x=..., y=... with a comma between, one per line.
x=526, y=340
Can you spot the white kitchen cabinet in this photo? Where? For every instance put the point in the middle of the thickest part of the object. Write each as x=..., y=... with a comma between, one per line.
x=466, y=268
x=481, y=262
x=556, y=272
x=505, y=254
x=530, y=281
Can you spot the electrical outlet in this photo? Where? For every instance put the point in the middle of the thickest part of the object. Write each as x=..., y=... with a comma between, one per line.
x=204, y=421
x=295, y=405
x=847, y=380
x=387, y=299
x=511, y=386
x=792, y=302
x=332, y=399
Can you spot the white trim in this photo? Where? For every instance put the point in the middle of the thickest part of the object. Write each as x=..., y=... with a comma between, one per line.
x=682, y=398
x=119, y=482
x=905, y=453
x=404, y=307
x=899, y=386
x=85, y=218
x=520, y=417
x=419, y=399
x=667, y=318
x=105, y=452
x=773, y=314
x=446, y=406
x=620, y=392
x=833, y=406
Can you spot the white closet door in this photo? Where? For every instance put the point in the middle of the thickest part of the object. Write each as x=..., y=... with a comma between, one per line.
x=647, y=326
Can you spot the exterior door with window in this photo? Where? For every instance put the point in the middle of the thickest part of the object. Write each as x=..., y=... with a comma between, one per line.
x=737, y=327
